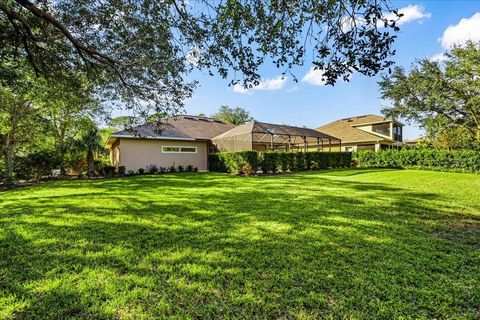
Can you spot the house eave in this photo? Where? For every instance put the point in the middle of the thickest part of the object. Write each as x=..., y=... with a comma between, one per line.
x=128, y=136
x=377, y=122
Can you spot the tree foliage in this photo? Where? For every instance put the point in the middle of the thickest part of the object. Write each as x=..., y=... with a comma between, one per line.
x=140, y=52
x=20, y=120
x=89, y=143
x=235, y=115
x=443, y=97
x=121, y=122
x=39, y=115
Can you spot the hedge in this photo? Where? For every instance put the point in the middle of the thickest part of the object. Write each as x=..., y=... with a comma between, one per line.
x=431, y=159
x=248, y=162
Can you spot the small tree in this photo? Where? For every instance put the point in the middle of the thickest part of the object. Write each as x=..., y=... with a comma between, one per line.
x=89, y=143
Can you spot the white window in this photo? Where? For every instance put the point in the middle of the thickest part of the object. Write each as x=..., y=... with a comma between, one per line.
x=348, y=149
x=175, y=149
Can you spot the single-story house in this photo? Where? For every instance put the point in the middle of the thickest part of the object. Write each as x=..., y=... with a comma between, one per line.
x=367, y=132
x=181, y=140
x=187, y=140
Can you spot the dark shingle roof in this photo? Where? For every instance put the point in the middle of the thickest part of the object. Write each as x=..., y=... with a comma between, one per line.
x=179, y=127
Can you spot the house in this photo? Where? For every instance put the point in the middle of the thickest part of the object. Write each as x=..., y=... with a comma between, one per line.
x=180, y=140
x=187, y=140
x=367, y=132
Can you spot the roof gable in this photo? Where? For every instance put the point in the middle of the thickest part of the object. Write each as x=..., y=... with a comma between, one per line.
x=345, y=128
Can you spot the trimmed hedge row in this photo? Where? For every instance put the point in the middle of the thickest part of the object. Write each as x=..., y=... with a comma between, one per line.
x=245, y=162
x=248, y=162
x=440, y=160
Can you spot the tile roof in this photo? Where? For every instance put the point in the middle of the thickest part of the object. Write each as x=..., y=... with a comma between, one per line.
x=345, y=128
x=180, y=127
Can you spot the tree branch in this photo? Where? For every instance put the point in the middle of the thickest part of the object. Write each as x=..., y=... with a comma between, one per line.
x=57, y=24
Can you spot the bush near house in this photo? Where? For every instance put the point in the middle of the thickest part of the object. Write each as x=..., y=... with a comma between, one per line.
x=234, y=162
x=247, y=162
x=440, y=160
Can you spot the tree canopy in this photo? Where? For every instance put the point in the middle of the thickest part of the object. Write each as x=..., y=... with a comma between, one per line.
x=139, y=53
x=441, y=96
x=235, y=115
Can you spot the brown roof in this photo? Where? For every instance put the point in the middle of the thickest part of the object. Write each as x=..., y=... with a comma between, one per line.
x=179, y=127
x=345, y=128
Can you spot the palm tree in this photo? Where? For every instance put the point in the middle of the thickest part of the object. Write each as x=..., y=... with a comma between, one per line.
x=91, y=144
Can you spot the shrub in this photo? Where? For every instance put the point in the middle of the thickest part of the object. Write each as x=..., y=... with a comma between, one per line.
x=108, y=170
x=162, y=169
x=287, y=161
x=195, y=169
x=240, y=162
x=98, y=167
x=121, y=170
x=172, y=169
x=141, y=171
x=441, y=160
x=215, y=163
x=189, y=168
x=151, y=168
x=130, y=172
x=269, y=161
x=247, y=169
x=299, y=161
x=37, y=164
x=246, y=162
x=180, y=168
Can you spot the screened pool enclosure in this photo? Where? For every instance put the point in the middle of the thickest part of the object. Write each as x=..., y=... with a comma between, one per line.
x=262, y=136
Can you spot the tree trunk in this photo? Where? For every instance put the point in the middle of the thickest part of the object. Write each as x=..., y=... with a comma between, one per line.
x=90, y=168
x=61, y=152
x=9, y=159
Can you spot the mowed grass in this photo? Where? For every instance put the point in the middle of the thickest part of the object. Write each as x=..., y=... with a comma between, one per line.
x=355, y=244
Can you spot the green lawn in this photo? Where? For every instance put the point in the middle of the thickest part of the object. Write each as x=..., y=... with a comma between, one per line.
x=334, y=244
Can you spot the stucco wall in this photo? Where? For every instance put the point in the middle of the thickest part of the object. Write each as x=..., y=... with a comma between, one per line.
x=139, y=153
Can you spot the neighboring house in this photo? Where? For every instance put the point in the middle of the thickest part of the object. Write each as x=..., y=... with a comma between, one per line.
x=181, y=140
x=368, y=132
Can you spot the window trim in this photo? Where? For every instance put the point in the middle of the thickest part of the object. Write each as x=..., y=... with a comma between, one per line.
x=179, y=149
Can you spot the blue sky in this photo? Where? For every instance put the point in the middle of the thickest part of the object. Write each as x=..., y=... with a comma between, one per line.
x=429, y=28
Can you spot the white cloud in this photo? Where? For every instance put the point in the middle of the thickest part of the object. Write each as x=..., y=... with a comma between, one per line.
x=315, y=77
x=267, y=84
x=272, y=84
x=240, y=89
x=466, y=29
x=410, y=13
x=439, y=57
x=193, y=56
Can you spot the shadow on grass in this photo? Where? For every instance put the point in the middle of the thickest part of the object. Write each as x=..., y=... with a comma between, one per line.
x=210, y=245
